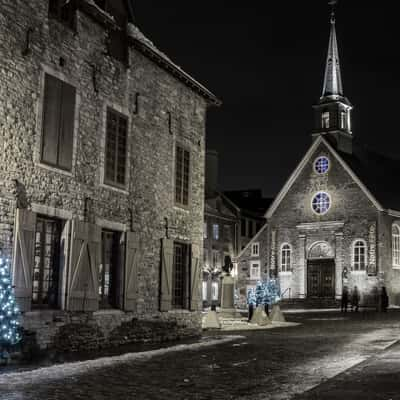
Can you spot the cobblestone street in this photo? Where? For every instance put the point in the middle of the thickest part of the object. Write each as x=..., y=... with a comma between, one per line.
x=270, y=364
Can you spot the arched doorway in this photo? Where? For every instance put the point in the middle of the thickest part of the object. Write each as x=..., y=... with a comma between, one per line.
x=320, y=271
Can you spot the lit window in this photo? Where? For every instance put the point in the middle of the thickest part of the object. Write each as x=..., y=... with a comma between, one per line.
x=216, y=231
x=214, y=291
x=286, y=258
x=343, y=119
x=255, y=249
x=321, y=203
x=396, y=245
x=204, y=290
x=321, y=165
x=205, y=230
x=325, y=119
x=359, y=255
x=255, y=270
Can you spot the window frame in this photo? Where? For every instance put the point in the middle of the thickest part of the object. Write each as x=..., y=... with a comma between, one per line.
x=214, y=291
x=285, y=254
x=252, y=268
x=257, y=246
x=316, y=167
x=186, y=280
x=314, y=197
x=215, y=231
x=325, y=119
x=356, y=265
x=180, y=202
x=106, y=181
x=396, y=249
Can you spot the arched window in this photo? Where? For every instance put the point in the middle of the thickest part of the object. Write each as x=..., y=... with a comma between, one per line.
x=359, y=255
x=286, y=258
x=396, y=246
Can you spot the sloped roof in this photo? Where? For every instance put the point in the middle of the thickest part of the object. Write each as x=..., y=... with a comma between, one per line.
x=377, y=172
x=250, y=200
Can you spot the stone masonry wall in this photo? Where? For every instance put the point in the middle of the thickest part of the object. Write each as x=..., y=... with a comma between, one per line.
x=144, y=92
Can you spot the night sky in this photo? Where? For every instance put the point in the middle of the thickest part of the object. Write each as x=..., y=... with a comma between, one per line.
x=265, y=61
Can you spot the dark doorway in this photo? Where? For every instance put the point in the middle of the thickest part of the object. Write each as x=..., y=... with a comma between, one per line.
x=109, y=271
x=321, y=278
x=181, y=269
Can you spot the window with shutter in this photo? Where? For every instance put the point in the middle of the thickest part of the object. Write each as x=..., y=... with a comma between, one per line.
x=58, y=123
x=180, y=275
x=182, y=176
x=116, y=148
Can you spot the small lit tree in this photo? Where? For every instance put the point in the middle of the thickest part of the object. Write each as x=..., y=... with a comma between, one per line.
x=9, y=312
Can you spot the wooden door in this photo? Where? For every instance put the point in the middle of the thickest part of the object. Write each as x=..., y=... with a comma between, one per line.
x=321, y=278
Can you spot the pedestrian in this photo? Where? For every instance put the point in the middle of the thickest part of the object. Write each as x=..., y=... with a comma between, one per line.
x=355, y=299
x=384, y=299
x=345, y=299
x=250, y=302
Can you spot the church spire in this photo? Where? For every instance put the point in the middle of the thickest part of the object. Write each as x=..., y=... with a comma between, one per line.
x=333, y=110
x=333, y=80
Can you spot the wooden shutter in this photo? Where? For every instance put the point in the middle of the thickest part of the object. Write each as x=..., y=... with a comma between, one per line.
x=195, y=280
x=132, y=261
x=66, y=126
x=167, y=257
x=24, y=250
x=85, y=259
x=51, y=119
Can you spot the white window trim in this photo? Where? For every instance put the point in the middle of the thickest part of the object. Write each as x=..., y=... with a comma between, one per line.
x=312, y=200
x=315, y=165
x=258, y=276
x=102, y=155
x=253, y=253
x=359, y=271
x=281, y=271
x=326, y=119
x=37, y=151
x=395, y=265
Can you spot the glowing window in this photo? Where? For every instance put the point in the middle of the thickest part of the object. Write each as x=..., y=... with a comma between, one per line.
x=286, y=258
x=359, y=255
x=321, y=165
x=396, y=246
x=321, y=203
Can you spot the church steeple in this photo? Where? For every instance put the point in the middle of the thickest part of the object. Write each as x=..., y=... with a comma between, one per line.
x=333, y=110
x=333, y=79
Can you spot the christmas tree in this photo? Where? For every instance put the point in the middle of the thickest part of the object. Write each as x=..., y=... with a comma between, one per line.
x=9, y=312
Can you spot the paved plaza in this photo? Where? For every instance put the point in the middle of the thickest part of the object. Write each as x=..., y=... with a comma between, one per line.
x=329, y=355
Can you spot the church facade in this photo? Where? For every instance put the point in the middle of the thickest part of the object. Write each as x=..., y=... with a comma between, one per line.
x=336, y=221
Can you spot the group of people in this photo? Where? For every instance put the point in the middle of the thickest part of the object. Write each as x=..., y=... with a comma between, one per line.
x=382, y=299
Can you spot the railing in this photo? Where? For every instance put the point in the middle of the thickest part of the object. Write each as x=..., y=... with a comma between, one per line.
x=288, y=290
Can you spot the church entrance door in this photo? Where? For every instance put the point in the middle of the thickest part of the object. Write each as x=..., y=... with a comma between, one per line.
x=321, y=278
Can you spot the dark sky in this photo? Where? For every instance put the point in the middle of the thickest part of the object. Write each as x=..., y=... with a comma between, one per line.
x=265, y=61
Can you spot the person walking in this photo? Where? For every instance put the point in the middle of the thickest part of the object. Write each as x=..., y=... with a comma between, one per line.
x=355, y=299
x=384, y=299
x=345, y=299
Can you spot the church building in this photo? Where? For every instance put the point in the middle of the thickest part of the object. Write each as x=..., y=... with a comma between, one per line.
x=336, y=220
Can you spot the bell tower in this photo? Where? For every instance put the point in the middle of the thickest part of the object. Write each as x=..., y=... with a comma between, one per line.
x=333, y=110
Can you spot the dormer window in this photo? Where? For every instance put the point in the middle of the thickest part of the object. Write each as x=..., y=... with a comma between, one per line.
x=63, y=11
x=325, y=119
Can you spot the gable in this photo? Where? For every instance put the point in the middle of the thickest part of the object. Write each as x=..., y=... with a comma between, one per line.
x=319, y=147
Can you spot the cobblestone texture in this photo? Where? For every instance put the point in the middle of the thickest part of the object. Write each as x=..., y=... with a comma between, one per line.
x=272, y=364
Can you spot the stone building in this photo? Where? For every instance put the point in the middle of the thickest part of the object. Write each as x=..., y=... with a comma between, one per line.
x=102, y=174
x=220, y=234
x=336, y=221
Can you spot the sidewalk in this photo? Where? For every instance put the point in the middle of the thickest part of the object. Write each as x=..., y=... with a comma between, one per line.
x=376, y=378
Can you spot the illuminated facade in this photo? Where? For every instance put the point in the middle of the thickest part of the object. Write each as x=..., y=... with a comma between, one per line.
x=336, y=220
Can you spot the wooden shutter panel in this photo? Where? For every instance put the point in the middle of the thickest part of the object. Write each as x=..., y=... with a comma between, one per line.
x=195, y=278
x=132, y=261
x=84, y=267
x=67, y=126
x=24, y=250
x=167, y=257
x=51, y=119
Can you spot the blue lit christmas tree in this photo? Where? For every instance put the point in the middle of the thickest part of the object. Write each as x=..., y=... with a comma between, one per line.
x=9, y=312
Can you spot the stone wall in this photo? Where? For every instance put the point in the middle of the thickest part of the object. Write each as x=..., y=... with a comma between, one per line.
x=162, y=112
